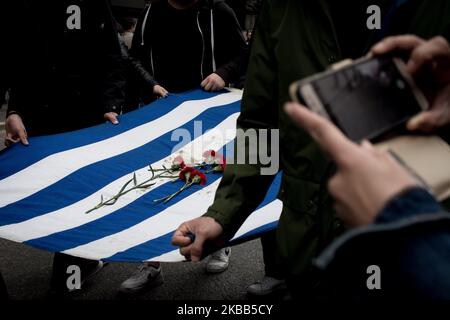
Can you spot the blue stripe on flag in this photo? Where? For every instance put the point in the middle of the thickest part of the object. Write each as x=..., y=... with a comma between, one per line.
x=18, y=157
x=90, y=179
x=120, y=220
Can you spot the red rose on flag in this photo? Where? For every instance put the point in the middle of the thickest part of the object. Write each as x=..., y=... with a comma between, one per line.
x=190, y=176
x=185, y=174
x=209, y=154
x=216, y=160
x=221, y=163
x=198, y=177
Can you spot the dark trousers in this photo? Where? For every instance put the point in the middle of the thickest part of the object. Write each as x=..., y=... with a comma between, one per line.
x=272, y=264
x=3, y=291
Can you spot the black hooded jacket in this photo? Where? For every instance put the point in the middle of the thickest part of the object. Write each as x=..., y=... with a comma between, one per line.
x=217, y=52
x=66, y=63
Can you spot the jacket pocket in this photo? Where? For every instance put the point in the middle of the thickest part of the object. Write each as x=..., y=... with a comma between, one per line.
x=299, y=195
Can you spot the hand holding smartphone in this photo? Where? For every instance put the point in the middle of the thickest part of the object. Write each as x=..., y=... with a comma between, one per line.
x=370, y=98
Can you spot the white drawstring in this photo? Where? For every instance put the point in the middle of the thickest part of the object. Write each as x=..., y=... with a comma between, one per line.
x=203, y=45
x=144, y=24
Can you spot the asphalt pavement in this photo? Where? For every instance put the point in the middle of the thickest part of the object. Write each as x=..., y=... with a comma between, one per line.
x=27, y=272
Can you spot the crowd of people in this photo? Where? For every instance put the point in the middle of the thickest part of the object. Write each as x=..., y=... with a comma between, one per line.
x=85, y=71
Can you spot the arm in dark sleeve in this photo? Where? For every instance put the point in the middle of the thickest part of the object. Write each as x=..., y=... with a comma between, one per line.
x=409, y=241
x=142, y=72
x=243, y=187
x=11, y=12
x=136, y=55
x=113, y=82
x=136, y=67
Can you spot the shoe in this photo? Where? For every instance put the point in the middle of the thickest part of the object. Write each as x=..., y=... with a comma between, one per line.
x=266, y=286
x=88, y=268
x=218, y=262
x=146, y=277
x=88, y=272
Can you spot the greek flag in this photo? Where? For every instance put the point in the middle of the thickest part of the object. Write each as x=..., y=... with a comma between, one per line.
x=47, y=188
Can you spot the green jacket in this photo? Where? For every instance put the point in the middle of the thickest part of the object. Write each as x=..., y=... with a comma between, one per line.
x=295, y=39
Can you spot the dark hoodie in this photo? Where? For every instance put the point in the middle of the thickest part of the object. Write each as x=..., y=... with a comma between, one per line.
x=178, y=49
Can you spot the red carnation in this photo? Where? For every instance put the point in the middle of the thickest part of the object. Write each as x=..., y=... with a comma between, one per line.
x=209, y=154
x=186, y=173
x=198, y=177
x=178, y=163
x=190, y=176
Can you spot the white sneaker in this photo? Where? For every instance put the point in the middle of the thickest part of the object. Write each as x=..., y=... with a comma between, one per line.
x=146, y=277
x=266, y=286
x=218, y=262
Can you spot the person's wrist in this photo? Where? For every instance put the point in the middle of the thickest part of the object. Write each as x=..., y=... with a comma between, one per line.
x=222, y=76
x=213, y=217
x=112, y=109
x=12, y=114
x=409, y=202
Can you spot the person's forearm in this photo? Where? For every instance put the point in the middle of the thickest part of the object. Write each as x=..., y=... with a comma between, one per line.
x=140, y=70
x=114, y=87
x=240, y=193
x=13, y=104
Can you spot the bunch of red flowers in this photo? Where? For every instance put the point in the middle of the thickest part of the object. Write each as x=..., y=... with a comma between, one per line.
x=213, y=161
x=178, y=164
x=192, y=175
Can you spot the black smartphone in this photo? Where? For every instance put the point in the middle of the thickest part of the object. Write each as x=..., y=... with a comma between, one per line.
x=366, y=98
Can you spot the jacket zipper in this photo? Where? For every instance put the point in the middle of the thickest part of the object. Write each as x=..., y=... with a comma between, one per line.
x=144, y=24
x=212, y=41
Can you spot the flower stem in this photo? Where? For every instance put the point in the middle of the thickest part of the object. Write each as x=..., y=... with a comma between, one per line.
x=170, y=197
x=143, y=185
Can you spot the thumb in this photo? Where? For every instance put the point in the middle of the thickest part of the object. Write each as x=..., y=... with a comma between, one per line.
x=204, y=82
x=197, y=248
x=422, y=121
x=112, y=117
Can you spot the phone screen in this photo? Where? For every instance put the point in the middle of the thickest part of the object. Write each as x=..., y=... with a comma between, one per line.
x=367, y=99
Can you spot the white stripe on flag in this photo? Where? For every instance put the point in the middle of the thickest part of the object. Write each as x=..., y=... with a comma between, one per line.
x=74, y=215
x=50, y=170
x=167, y=221
x=173, y=256
x=267, y=214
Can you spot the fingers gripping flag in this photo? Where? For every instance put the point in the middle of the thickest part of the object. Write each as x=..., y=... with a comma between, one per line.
x=47, y=188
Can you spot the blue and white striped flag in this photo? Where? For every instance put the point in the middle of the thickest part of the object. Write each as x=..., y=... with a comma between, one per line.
x=46, y=188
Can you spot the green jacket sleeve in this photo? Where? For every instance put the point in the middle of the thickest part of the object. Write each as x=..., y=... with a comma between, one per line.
x=243, y=187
